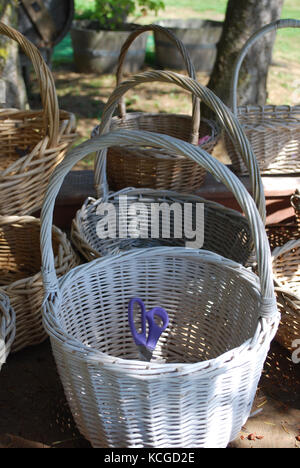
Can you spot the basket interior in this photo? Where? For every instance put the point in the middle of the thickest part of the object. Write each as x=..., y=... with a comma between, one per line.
x=218, y=224
x=20, y=133
x=20, y=255
x=211, y=309
x=270, y=115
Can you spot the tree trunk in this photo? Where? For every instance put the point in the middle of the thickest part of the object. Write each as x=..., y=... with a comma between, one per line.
x=12, y=87
x=243, y=18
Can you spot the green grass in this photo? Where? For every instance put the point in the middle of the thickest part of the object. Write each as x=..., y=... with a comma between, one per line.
x=219, y=6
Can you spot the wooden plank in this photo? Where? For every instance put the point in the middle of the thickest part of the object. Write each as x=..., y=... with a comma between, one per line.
x=41, y=19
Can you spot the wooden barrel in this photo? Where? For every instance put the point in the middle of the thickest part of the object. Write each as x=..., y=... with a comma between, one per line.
x=200, y=38
x=97, y=51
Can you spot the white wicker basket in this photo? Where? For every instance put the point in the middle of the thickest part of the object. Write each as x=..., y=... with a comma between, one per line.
x=226, y=231
x=222, y=319
x=7, y=327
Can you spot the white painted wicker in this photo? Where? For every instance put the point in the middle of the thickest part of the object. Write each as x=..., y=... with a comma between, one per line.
x=222, y=319
x=7, y=327
x=226, y=231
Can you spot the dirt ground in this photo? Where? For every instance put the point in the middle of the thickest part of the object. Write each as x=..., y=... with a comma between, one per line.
x=35, y=414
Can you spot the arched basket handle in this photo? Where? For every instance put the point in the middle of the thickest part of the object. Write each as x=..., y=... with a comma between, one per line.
x=225, y=117
x=45, y=80
x=279, y=24
x=216, y=168
x=188, y=64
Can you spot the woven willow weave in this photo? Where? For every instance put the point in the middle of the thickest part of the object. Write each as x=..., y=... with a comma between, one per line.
x=32, y=142
x=226, y=232
x=21, y=279
x=273, y=131
x=152, y=168
x=7, y=327
x=222, y=319
x=286, y=269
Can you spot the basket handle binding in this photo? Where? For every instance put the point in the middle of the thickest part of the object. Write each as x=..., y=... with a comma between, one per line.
x=188, y=64
x=224, y=115
x=45, y=80
x=279, y=24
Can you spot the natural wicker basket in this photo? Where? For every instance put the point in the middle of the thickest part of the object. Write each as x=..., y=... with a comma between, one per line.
x=222, y=319
x=21, y=279
x=32, y=142
x=7, y=327
x=280, y=234
x=286, y=270
x=273, y=131
x=225, y=231
x=152, y=168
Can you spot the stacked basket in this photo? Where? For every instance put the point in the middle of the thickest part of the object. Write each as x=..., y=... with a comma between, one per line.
x=32, y=144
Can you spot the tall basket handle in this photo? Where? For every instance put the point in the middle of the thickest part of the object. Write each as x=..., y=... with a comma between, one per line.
x=196, y=118
x=45, y=80
x=224, y=116
x=279, y=24
x=197, y=154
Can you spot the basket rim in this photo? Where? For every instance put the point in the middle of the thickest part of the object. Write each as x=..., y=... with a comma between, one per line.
x=84, y=352
x=7, y=326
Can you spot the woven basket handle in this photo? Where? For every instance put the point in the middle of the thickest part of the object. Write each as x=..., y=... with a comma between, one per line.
x=142, y=138
x=45, y=80
x=188, y=64
x=224, y=115
x=279, y=24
